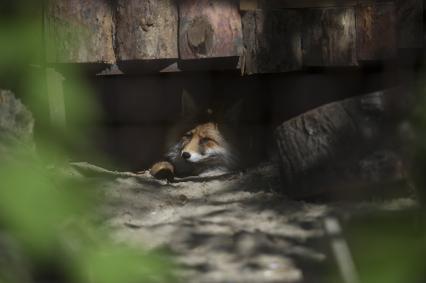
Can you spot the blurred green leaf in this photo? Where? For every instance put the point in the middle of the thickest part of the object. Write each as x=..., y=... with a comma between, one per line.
x=48, y=214
x=388, y=248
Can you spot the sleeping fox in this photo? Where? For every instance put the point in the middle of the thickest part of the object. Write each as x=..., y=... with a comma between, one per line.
x=200, y=145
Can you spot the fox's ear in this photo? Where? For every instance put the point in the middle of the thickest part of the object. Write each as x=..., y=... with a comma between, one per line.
x=189, y=107
x=233, y=114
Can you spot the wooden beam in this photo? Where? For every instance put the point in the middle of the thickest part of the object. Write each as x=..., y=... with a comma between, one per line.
x=249, y=5
x=79, y=31
x=410, y=23
x=329, y=37
x=252, y=5
x=55, y=94
x=146, y=29
x=376, y=31
x=272, y=41
x=307, y=3
x=209, y=29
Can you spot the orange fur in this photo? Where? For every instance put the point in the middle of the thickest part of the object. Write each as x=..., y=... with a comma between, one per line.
x=202, y=138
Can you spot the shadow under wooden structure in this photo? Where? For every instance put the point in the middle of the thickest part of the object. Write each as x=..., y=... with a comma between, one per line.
x=249, y=47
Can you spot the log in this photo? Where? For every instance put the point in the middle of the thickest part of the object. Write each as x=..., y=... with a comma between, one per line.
x=328, y=148
x=79, y=31
x=410, y=23
x=209, y=29
x=376, y=31
x=329, y=37
x=146, y=29
x=272, y=41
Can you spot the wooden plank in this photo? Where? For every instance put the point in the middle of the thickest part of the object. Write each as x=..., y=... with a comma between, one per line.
x=288, y=4
x=376, y=31
x=79, y=31
x=329, y=37
x=146, y=29
x=272, y=41
x=252, y=5
x=55, y=94
x=410, y=23
x=248, y=5
x=209, y=29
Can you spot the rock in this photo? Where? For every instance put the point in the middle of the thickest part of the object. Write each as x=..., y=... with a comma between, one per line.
x=16, y=123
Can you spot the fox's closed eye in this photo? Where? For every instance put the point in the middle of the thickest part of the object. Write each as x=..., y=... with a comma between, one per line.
x=206, y=140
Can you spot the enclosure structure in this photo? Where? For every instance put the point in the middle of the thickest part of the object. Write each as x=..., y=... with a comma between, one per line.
x=318, y=94
x=283, y=57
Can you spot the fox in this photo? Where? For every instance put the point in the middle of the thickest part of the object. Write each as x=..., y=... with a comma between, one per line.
x=202, y=144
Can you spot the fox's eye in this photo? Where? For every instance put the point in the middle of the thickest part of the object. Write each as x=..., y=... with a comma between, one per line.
x=188, y=135
x=205, y=140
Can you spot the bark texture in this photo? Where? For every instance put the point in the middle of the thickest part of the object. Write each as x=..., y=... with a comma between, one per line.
x=338, y=145
x=410, y=23
x=209, y=29
x=329, y=37
x=80, y=31
x=376, y=31
x=272, y=41
x=147, y=29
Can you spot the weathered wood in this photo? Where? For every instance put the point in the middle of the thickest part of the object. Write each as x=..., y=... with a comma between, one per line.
x=79, y=31
x=317, y=148
x=329, y=37
x=272, y=41
x=410, y=23
x=290, y=4
x=249, y=5
x=376, y=32
x=146, y=29
x=252, y=5
x=209, y=29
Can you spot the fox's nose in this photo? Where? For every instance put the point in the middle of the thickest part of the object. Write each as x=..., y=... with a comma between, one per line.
x=186, y=155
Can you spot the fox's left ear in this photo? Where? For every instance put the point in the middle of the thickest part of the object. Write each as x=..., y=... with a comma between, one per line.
x=233, y=114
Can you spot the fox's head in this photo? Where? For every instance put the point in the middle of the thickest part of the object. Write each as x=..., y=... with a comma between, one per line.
x=204, y=142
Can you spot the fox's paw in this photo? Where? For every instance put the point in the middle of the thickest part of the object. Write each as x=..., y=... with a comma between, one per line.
x=162, y=170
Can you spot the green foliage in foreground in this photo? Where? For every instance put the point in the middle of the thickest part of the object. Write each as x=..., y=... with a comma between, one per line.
x=49, y=219
x=46, y=219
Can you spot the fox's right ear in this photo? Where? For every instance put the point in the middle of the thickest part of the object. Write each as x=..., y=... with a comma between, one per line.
x=189, y=107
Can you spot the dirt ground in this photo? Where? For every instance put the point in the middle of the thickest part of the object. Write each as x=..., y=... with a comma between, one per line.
x=228, y=229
